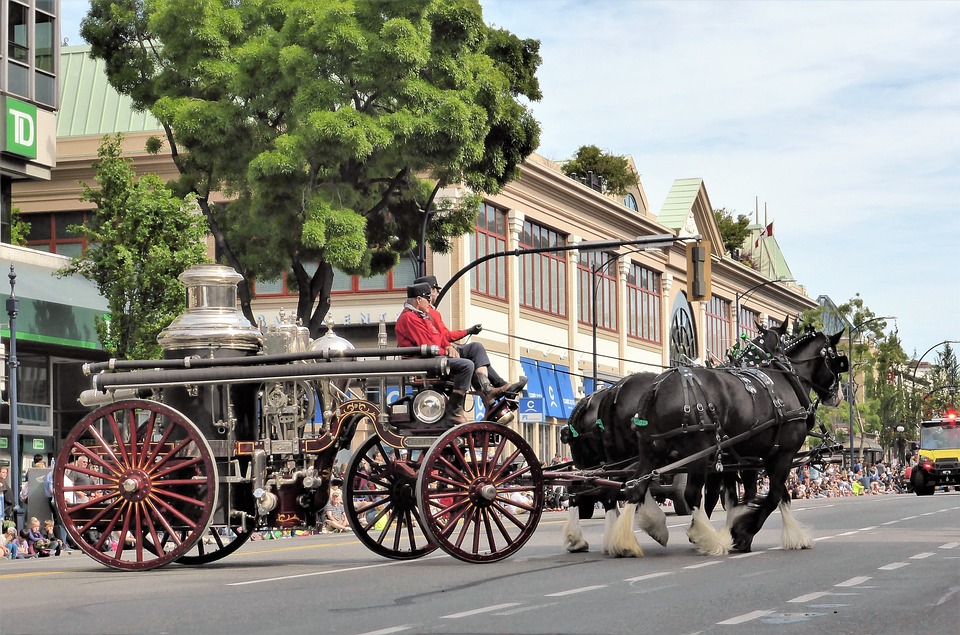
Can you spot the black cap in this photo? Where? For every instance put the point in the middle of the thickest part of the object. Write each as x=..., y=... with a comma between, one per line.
x=430, y=280
x=418, y=290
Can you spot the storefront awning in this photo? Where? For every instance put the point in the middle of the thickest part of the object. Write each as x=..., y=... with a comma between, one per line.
x=550, y=383
x=57, y=311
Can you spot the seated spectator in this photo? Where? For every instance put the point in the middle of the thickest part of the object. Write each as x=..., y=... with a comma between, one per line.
x=50, y=535
x=14, y=544
x=37, y=544
x=334, y=518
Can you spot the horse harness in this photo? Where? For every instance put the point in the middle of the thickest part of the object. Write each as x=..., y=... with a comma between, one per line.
x=701, y=415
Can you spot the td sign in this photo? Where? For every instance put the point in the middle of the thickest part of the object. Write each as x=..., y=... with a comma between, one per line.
x=21, y=120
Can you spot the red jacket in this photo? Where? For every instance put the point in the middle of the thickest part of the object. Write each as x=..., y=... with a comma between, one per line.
x=449, y=336
x=413, y=329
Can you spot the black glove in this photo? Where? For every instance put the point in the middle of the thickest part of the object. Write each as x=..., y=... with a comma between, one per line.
x=473, y=330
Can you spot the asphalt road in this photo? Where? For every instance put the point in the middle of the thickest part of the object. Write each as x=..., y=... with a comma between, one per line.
x=880, y=564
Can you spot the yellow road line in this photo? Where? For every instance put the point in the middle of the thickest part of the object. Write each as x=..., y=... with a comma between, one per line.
x=29, y=574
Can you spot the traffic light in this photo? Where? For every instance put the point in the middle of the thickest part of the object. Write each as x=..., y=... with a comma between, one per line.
x=698, y=270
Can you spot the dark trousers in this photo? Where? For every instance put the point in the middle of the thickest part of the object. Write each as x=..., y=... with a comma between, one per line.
x=461, y=372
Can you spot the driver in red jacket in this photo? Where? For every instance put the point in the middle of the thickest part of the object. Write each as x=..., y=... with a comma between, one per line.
x=486, y=379
x=415, y=327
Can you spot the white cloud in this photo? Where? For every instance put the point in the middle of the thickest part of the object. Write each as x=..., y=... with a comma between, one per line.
x=841, y=116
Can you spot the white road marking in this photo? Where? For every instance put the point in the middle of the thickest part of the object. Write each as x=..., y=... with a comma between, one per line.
x=524, y=609
x=703, y=564
x=909, y=517
x=854, y=581
x=392, y=629
x=823, y=538
x=307, y=575
x=866, y=528
x=950, y=545
x=943, y=599
x=649, y=576
x=746, y=617
x=486, y=609
x=810, y=596
x=582, y=589
x=847, y=533
x=893, y=566
x=922, y=555
x=746, y=555
x=890, y=522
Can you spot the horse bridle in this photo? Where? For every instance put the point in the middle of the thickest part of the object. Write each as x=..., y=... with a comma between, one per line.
x=836, y=362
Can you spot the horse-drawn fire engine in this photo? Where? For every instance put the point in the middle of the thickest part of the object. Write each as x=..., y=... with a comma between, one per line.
x=236, y=431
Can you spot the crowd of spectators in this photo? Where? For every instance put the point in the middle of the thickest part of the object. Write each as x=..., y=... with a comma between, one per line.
x=835, y=481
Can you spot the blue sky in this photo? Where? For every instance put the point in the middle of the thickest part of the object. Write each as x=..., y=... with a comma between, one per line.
x=842, y=118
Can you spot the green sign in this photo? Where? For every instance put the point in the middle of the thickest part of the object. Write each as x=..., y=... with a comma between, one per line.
x=21, y=128
x=38, y=444
x=3, y=443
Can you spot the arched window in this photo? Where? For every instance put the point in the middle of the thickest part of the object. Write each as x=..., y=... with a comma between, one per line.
x=631, y=203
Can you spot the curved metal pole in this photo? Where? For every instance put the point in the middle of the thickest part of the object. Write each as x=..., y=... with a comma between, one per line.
x=741, y=296
x=913, y=391
x=647, y=242
x=594, y=289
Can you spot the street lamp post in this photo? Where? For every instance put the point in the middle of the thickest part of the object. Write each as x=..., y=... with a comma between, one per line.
x=850, y=396
x=13, y=308
x=741, y=296
x=594, y=285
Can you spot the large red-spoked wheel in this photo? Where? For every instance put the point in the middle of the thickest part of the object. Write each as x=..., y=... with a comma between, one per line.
x=380, y=501
x=480, y=491
x=154, y=485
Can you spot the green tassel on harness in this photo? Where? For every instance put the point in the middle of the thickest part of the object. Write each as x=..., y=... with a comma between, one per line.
x=639, y=423
x=573, y=431
x=600, y=425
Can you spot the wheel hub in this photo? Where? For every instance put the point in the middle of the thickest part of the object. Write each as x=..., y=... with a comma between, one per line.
x=482, y=492
x=134, y=485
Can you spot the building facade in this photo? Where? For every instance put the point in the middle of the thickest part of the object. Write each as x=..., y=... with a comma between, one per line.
x=562, y=318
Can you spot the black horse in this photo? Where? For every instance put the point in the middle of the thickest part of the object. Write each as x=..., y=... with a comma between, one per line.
x=596, y=444
x=597, y=441
x=689, y=417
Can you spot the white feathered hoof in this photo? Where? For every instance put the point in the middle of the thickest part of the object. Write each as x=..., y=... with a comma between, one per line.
x=794, y=535
x=573, y=539
x=652, y=520
x=610, y=519
x=705, y=538
x=623, y=543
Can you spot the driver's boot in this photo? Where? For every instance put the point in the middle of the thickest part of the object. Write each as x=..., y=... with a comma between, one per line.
x=454, y=414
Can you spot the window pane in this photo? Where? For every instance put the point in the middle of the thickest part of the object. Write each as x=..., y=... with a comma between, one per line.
x=18, y=34
x=44, y=42
x=269, y=287
x=71, y=250
x=39, y=226
x=45, y=5
x=65, y=221
x=373, y=282
x=18, y=79
x=45, y=88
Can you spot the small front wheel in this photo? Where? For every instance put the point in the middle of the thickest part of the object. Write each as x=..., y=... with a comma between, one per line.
x=480, y=492
x=380, y=501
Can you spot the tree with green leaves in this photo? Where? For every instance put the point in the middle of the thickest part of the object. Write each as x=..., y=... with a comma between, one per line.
x=876, y=359
x=614, y=169
x=332, y=125
x=140, y=238
x=733, y=232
